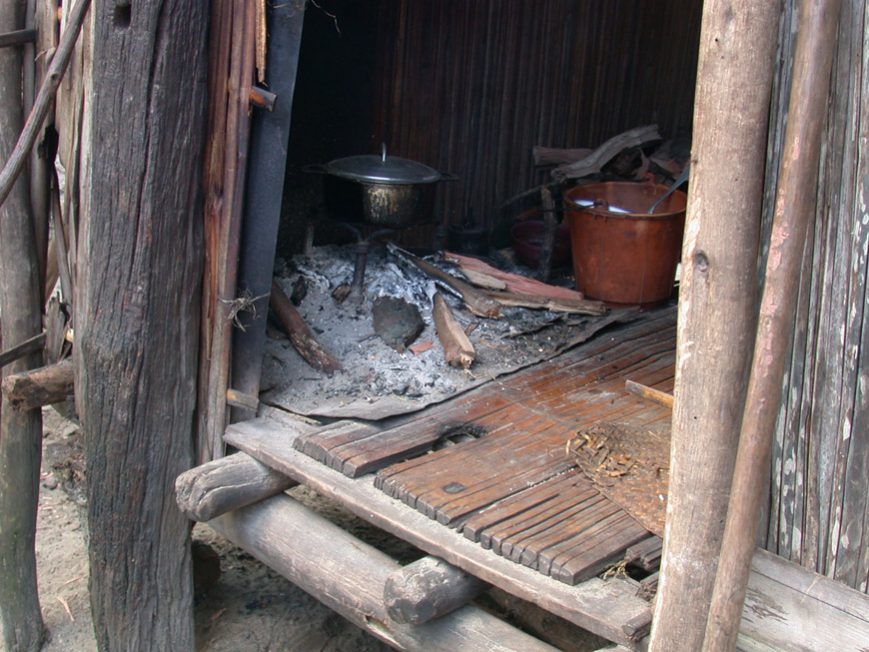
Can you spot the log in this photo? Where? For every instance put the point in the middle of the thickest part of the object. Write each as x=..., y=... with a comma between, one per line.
x=427, y=589
x=35, y=388
x=573, y=306
x=795, y=206
x=21, y=624
x=649, y=393
x=550, y=221
x=349, y=577
x=593, y=163
x=220, y=486
x=557, y=156
x=458, y=349
x=300, y=335
x=717, y=306
x=138, y=290
x=515, y=282
x=477, y=302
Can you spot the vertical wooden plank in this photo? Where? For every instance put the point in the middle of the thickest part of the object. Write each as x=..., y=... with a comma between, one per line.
x=137, y=316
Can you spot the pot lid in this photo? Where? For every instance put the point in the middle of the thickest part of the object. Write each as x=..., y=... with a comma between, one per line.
x=370, y=168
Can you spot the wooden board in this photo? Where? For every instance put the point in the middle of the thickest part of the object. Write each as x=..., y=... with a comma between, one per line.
x=609, y=608
x=515, y=489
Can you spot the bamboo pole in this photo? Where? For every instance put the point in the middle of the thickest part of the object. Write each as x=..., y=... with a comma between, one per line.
x=717, y=305
x=795, y=206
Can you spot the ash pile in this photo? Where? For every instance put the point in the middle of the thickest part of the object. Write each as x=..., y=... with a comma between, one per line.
x=419, y=332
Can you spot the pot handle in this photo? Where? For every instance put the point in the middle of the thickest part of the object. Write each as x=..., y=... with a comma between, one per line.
x=447, y=176
x=315, y=168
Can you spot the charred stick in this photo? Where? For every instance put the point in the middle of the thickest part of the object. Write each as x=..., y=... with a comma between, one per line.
x=574, y=306
x=300, y=335
x=458, y=350
x=477, y=302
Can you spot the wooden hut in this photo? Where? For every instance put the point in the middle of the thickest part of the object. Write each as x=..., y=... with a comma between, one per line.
x=182, y=128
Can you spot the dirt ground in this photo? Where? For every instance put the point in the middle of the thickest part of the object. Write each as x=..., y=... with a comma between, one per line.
x=249, y=608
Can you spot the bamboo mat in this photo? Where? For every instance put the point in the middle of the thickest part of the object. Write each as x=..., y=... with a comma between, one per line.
x=511, y=483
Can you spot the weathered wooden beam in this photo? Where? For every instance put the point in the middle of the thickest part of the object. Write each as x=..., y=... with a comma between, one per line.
x=427, y=589
x=34, y=388
x=137, y=310
x=220, y=486
x=349, y=576
x=717, y=305
x=795, y=207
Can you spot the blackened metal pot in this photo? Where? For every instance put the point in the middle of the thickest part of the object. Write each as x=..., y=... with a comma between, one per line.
x=385, y=191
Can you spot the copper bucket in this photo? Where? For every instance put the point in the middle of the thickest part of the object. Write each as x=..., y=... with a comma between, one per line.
x=622, y=254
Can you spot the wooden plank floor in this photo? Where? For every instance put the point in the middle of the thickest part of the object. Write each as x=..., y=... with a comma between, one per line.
x=514, y=489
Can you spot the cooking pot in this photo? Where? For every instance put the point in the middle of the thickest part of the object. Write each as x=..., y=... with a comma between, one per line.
x=386, y=191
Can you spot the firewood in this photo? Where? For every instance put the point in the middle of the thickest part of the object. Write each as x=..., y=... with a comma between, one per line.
x=458, y=350
x=483, y=280
x=300, y=335
x=606, y=152
x=515, y=282
x=38, y=387
x=476, y=301
x=557, y=156
x=574, y=306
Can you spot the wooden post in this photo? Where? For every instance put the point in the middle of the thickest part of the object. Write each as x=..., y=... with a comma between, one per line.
x=717, y=305
x=137, y=316
x=20, y=432
x=795, y=206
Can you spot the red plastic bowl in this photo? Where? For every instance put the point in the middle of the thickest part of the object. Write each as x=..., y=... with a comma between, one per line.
x=527, y=240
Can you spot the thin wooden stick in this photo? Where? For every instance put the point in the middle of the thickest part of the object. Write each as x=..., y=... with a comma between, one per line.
x=35, y=343
x=18, y=158
x=795, y=206
x=649, y=393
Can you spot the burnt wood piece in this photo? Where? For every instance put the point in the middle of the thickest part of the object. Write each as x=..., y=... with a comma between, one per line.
x=606, y=152
x=220, y=486
x=796, y=206
x=241, y=400
x=31, y=389
x=600, y=606
x=300, y=334
x=138, y=286
x=515, y=283
x=349, y=576
x=427, y=589
x=573, y=306
x=21, y=624
x=476, y=301
x=458, y=349
x=547, y=205
x=397, y=322
x=230, y=77
x=30, y=345
x=718, y=292
x=269, y=137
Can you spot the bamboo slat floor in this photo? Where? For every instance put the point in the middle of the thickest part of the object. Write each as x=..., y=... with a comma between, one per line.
x=509, y=484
